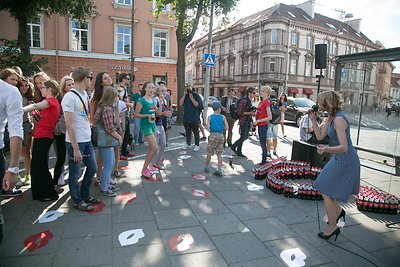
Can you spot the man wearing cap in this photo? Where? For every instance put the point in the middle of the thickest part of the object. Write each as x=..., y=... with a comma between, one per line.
x=216, y=124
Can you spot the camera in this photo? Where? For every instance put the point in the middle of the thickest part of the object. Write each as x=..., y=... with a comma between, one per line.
x=188, y=90
x=253, y=109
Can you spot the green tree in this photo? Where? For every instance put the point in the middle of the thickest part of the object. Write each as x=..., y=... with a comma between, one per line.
x=188, y=14
x=26, y=10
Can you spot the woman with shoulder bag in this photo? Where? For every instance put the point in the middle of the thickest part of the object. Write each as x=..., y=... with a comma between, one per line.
x=104, y=116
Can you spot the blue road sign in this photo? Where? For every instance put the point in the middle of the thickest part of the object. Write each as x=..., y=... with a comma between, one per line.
x=209, y=60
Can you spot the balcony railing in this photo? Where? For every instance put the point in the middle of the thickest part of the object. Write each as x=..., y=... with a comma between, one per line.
x=273, y=47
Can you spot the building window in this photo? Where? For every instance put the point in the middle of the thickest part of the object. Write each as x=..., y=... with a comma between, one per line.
x=274, y=36
x=231, y=45
x=348, y=49
x=254, y=64
x=80, y=35
x=124, y=2
x=231, y=69
x=332, y=72
x=160, y=43
x=310, y=42
x=272, y=62
x=198, y=55
x=256, y=40
x=123, y=40
x=293, y=66
x=294, y=39
x=246, y=42
x=334, y=48
x=308, y=68
x=245, y=62
x=221, y=48
x=221, y=68
x=157, y=79
x=165, y=9
x=35, y=33
x=355, y=49
x=327, y=45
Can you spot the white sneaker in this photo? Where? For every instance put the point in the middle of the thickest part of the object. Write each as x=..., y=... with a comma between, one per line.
x=196, y=148
x=185, y=146
x=61, y=180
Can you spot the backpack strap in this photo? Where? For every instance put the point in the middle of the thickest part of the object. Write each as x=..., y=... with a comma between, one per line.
x=83, y=103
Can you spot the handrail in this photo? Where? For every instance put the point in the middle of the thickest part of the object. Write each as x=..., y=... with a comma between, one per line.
x=381, y=153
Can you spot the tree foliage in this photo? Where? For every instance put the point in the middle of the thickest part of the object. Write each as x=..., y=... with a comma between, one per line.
x=188, y=13
x=26, y=10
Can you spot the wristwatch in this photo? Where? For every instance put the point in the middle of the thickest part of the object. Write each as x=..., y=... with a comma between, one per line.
x=13, y=170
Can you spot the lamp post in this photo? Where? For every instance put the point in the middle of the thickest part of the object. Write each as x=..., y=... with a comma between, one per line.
x=132, y=47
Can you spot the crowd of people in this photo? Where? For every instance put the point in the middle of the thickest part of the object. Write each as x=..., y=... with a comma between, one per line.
x=75, y=120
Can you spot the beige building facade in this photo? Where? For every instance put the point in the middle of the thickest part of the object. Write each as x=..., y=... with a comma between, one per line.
x=103, y=43
x=276, y=47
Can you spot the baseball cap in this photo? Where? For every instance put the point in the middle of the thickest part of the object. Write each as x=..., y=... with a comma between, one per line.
x=216, y=105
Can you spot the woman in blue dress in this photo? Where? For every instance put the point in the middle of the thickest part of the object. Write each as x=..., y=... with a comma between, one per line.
x=340, y=177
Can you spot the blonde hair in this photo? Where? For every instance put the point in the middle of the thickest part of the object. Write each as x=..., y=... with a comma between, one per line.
x=63, y=83
x=267, y=89
x=331, y=102
x=110, y=94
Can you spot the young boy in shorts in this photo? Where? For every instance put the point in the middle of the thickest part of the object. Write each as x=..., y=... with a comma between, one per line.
x=216, y=124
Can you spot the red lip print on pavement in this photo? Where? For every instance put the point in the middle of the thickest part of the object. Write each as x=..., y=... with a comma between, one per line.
x=97, y=208
x=127, y=198
x=200, y=193
x=179, y=243
x=38, y=240
x=199, y=176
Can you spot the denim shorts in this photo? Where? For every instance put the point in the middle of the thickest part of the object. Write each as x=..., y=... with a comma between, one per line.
x=272, y=131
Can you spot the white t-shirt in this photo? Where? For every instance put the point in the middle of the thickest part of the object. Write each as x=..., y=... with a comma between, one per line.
x=72, y=103
x=305, y=123
x=121, y=110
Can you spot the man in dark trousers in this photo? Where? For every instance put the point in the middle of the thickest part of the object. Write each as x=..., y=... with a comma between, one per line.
x=192, y=106
x=228, y=104
x=245, y=113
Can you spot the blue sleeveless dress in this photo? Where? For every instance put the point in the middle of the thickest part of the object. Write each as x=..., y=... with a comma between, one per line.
x=340, y=177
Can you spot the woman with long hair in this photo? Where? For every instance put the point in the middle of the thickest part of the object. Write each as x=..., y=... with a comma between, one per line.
x=105, y=116
x=42, y=183
x=146, y=111
x=38, y=81
x=283, y=105
x=26, y=89
x=66, y=84
x=340, y=177
x=10, y=76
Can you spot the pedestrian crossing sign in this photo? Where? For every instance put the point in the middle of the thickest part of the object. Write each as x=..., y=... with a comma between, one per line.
x=209, y=60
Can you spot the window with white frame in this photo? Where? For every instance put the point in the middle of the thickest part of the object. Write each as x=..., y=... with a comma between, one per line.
x=35, y=33
x=332, y=72
x=294, y=39
x=80, y=35
x=334, y=48
x=274, y=36
x=293, y=66
x=246, y=42
x=160, y=43
x=308, y=69
x=231, y=45
x=272, y=63
x=123, y=39
x=124, y=2
x=165, y=9
x=221, y=48
x=254, y=64
x=231, y=69
x=255, y=40
x=310, y=42
x=221, y=68
x=245, y=62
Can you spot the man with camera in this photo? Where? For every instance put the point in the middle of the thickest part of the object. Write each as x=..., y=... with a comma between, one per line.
x=192, y=106
x=245, y=112
x=228, y=104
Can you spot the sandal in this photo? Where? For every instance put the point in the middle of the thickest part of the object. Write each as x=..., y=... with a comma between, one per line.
x=146, y=173
x=92, y=200
x=117, y=173
x=83, y=206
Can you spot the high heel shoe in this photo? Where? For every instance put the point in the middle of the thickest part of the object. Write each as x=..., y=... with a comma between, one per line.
x=342, y=214
x=334, y=233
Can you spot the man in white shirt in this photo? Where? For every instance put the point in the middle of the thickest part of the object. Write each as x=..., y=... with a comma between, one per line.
x=78, y=140
x=306, y=128
x=11, y=111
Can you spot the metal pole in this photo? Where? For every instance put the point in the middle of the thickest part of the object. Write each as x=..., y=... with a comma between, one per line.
x=132, y=48
x=208, y=69
x=319, y=82
x=361, y=105
x=259, y=59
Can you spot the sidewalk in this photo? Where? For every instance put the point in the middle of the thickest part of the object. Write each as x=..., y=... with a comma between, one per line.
x=181, y=221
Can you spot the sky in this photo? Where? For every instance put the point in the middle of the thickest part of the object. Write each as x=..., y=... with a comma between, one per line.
x=380, y=19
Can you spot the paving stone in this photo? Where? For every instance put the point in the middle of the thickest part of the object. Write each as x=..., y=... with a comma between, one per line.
x=270, y=261
x=269, y=229
x=175, y=218
x=201, y=241
x=292, y=215
x=219, y=224
x=389, y=256
x=220, y=185
x=207, y=206
x=132, y=213
x=45, y=260
x=84, y=251
x=86, y=226
x=270, y=200
x=157, y=188
x=314, y=256
x=167, y=201
x=151, y=233
x=150, y=256
x=240, y=247
x=208, y=258
x=232, y=197
x=248, y=211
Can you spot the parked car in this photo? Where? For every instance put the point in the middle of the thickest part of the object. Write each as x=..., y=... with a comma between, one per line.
x=296, y=108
